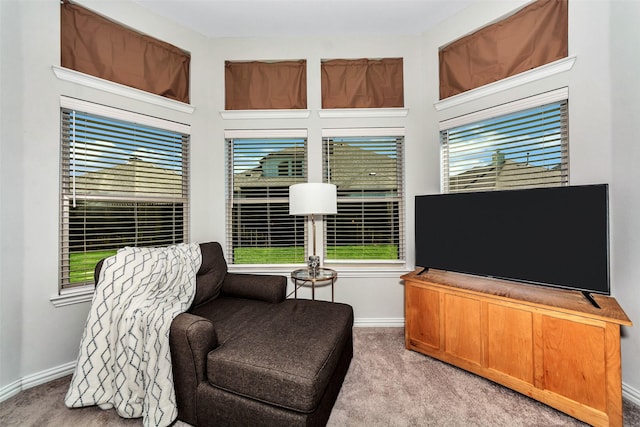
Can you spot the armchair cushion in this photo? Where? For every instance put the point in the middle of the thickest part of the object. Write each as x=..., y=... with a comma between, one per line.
x=287, y=358
x=268, y=288
x=211, y=274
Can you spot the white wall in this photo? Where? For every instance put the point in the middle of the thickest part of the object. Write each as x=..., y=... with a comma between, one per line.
x=364, y=290
x=36, y=336
x=11, y=168
x=625, y=198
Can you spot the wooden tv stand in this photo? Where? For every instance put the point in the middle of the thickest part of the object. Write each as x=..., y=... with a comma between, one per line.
x=549, y=344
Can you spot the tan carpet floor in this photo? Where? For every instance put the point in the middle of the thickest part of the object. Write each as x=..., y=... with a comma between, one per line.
x=386, y=385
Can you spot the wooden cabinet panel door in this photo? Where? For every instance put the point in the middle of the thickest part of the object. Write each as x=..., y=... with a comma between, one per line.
x=548, y=344
x=422, y=317
x=509, y=335
x=463, y=332
x=574, y=361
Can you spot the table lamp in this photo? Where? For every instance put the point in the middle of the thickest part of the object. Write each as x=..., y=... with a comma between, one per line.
x=313, y=199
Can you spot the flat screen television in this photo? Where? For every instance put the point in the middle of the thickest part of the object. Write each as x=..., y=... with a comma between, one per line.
x=555, y=237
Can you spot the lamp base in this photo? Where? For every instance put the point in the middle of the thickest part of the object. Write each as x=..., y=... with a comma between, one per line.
x=314, y=263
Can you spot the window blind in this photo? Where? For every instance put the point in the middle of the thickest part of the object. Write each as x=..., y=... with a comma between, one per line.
x=122, y=184
x=260, y=171
x=368, y=173
x=522, y=149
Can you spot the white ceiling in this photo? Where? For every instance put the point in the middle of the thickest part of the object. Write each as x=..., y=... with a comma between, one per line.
x=263, y=18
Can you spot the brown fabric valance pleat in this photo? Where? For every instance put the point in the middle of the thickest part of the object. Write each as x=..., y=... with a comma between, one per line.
x=534, y=36
x=255, y=85
x=94, y=45
x=362, y=83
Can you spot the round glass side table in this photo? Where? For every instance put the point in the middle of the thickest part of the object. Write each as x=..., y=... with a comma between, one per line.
x=318, y=276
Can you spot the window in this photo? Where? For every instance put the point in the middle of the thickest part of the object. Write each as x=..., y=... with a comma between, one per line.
x=124, y=182
x=260, y=168
x=519, y=145
x=367, y=168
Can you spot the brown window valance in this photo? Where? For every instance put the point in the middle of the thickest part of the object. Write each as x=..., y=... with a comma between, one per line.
x=94, y=45
x=260, y=85
x=534, y=36
x=362, y=83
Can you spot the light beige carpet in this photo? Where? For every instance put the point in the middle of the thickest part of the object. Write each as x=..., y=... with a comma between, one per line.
x=386, y=385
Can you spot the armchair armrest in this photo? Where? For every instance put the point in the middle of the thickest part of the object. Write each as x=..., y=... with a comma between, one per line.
x=191, y=338
x=269, y=288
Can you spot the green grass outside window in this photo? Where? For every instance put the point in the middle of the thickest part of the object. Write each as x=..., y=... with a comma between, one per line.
x=82, y=264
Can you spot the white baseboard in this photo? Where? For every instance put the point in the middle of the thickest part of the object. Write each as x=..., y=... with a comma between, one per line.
x=36, y=379
x=10, y=390
x=390, y=322
x=631, y=393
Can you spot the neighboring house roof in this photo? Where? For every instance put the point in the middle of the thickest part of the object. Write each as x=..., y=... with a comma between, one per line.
x=351, y=167
x=136, y=177
x=354, y=167
x=257, y=178
x=501, y=176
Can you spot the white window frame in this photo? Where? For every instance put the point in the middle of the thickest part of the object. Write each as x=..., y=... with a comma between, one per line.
x=239, y=134
x=398, y=132
x=554, y=96
x=73, y=294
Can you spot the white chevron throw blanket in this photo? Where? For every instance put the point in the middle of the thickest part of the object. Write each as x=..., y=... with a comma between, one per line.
x=125, y=361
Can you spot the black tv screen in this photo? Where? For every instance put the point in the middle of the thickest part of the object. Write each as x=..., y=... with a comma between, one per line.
x=546, y=236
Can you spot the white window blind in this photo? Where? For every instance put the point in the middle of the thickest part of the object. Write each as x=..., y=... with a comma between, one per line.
x=259, y=172
x=522, y=149
x=368, y=173
x=122, y=184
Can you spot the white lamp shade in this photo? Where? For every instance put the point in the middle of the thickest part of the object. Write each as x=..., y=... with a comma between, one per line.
x=312, y=198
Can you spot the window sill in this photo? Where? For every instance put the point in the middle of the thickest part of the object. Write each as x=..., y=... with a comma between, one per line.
x=85, y=293
x=343, y=271
x=539, y=73
x=363, y=112
x=372, y=272
x=304, y=114
x=73, y=296
x=264, y=114
x=119, y=89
